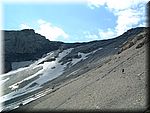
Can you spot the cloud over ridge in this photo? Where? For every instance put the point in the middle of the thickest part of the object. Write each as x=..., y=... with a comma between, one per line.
x=129, y=13
x=48, y=30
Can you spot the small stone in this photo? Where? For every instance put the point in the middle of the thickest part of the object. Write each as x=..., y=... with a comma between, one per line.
x=122, y=70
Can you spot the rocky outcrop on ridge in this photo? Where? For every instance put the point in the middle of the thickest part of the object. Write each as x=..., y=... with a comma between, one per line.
x=25, y=45
x=140, y=38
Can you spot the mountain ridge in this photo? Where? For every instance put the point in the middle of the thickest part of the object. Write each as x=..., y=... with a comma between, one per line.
x=26, y=45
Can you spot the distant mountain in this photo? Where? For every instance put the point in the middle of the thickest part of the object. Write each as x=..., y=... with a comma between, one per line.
x=26, y=45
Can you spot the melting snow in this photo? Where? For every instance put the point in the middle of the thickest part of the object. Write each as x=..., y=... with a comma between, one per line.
x=14, y=71
x=47, y=74
x=50, y=73
x=3, y=81
x=83, y=57
x=96, y=50
x=14, y=86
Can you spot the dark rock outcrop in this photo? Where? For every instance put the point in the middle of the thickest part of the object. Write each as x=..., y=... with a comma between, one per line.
x=26, y=45
x=7, y=66
x=139, y=34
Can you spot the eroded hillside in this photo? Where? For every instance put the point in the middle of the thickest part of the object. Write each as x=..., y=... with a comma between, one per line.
x=107, y=74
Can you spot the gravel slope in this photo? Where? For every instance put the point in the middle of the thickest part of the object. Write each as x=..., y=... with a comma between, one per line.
x=103, y=88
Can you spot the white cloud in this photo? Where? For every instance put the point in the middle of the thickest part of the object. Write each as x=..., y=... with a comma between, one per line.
x=116, y=4
x=48, y=30
x=129, y=13
x=127, y=19
x=90, y=36
x=24, y=26
x=95, y=3
x=143, y=24
x=40, y=21
x=109, y=33
x=102, y=34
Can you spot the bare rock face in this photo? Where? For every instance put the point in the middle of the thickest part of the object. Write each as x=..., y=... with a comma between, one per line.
x=7, y=66
x=138, y=37
x=27, y=41
x=25, y=45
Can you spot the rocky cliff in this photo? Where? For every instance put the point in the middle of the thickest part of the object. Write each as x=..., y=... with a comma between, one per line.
x=25, y=45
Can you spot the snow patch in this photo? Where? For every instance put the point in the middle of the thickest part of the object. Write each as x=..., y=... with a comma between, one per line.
x=83, y=57
x=47, y=73
x=96, y=50
x=73, y=73
x=14, y=71
x=51, y=73
x=14, y=86
x=3, y=81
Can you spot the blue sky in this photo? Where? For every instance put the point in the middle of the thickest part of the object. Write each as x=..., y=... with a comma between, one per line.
x=75, y=22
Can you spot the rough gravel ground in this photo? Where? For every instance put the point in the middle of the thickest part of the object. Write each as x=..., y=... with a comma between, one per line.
x=103, y=88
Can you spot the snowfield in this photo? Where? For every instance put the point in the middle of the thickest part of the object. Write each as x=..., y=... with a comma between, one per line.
x=28, y=79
